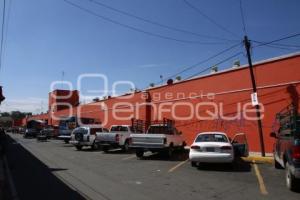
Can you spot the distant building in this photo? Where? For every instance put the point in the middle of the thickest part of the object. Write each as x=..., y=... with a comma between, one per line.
x=63, y=99
x=278, y=85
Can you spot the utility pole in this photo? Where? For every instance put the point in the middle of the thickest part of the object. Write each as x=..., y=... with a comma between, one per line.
x=257, y=107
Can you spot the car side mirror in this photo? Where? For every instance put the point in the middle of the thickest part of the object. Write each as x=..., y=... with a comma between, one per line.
x=273, y=134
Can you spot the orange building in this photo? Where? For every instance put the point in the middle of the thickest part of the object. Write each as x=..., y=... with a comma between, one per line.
x=193, y=101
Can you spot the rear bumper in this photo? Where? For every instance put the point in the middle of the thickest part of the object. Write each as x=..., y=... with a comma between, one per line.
x=80, y=143
x=65, y=137
x=42, y=137
x=212, y=157
x=149, y=147
x=109, y=144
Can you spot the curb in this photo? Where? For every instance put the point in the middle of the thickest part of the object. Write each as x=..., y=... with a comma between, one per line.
x=259, y=159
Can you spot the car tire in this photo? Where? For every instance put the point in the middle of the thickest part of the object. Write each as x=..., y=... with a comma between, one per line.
x=193, y=164
x=291, y=181
x=95, y=146
x=139, y=153
x=78, y=147
x=168, y=153
x=125, y=147
x=105, y=149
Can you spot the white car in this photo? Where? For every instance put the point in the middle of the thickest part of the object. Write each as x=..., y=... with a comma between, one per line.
x=86, y=136
x=214, y=147
x=117, y=137
x=159, y=138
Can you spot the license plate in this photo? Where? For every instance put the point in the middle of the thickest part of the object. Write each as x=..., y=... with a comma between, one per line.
x=210, y=149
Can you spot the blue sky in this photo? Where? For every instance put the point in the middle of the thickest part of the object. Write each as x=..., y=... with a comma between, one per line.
x=45, y=37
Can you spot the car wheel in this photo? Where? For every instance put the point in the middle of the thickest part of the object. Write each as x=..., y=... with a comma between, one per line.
x=168, y=153
x=125, y=148
x=291, y=181
x=105, y=149
x=95, y=146
x=139, y=153
x=193, y=164
x=78, y=147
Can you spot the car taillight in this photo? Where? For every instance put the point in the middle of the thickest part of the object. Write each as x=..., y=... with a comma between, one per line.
x=296, y=152
x=117, y=138
x=195, y=147
x=226, y=148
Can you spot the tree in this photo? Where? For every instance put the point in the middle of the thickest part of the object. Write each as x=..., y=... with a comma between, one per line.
x=178, y=78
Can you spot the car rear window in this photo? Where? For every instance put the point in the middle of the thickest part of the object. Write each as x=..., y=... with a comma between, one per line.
x=160, y=130
x=211, y=138
x=80, y=130
x=119, y=128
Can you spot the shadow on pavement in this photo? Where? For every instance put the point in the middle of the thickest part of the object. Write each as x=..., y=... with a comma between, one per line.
x=177, y=156
x=32, y=178
x=238, y=166
x=118, y=151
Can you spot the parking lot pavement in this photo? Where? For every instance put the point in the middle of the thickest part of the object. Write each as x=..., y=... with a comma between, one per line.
x=116, y=175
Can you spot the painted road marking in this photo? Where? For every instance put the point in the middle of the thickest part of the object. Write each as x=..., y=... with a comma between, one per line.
x=260, y=179
x=129, y=157
x=177, y=166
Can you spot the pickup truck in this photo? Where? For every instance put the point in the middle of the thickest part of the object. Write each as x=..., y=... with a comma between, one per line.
x=287, y=146
x=117, y=137
x=86, y=136
x=160, y=138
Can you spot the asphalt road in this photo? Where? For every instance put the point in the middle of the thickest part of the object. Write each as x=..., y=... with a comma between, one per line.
x=54, y=170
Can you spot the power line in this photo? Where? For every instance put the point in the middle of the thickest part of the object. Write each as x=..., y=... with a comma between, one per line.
x=282, y=48
x=279, y=44
x=138, y=29
x=277, y=40
x=209, y=18
x=243, y=18
x=157, y=23
x=222, y=61
x=204, y=61
x=2, y=32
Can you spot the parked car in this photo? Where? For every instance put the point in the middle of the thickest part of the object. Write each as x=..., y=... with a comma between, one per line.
x=22, y=130
x=160, y=137
x=42, y=136
x=117, y=137
x=287, y=146
x=216, y=147
x=68, y=124
x=33, y=127
x=48, y=131
x=86, y=136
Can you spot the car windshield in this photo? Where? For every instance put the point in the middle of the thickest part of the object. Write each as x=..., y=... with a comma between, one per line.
x=119, y=128
x=211, y=138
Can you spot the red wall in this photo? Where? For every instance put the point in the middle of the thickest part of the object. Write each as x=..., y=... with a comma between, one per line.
x=278, y=85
